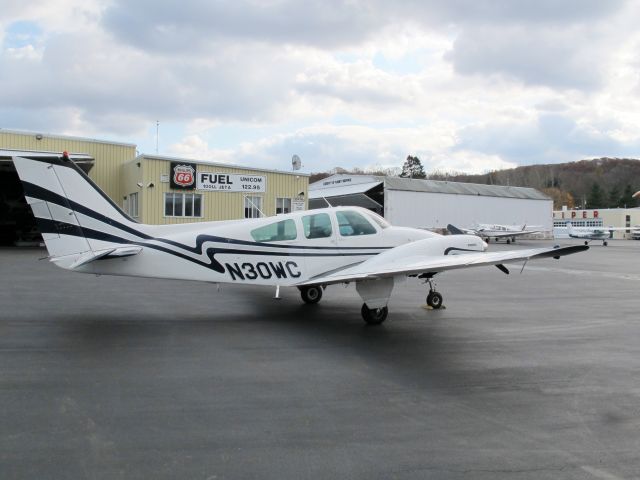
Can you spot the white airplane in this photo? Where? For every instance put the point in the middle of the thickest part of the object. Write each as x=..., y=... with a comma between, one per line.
x=595, y=233
x=86, y=232
x=486, y=231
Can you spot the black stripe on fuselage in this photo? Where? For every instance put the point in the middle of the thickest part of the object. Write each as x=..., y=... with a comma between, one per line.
x=66, y=162
x=44, y=194
x=35, y=191
x=53, y=226
x=451, y=249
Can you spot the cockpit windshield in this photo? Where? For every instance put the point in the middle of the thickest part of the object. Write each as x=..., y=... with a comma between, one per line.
x=353, y=223
x=382, y=223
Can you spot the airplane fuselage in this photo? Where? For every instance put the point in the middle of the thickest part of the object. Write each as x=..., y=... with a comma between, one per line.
x=236, y=252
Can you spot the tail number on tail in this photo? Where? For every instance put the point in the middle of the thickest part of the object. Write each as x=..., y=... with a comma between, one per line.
x=265, y=270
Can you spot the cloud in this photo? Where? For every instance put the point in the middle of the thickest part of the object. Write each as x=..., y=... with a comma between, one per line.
x=196, y=25
x=550, y=138
x=464, y=85
x=556, y=57
x=322, y=148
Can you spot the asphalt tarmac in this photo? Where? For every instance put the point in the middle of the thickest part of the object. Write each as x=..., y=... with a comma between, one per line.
x=532, y=376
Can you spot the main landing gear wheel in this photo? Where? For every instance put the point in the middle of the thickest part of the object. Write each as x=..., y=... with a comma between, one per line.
x=586, y=243
x=434, y=299
x=311, y=295
x=374, y=316
x=605, y=243
x=508, y=241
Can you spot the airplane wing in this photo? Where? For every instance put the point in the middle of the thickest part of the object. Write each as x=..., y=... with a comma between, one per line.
x=378, y=267
x=516, y=233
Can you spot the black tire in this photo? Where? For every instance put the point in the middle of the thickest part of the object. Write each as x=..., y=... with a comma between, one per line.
x=311, y=295
x=429, y=298
x=374, y=316
x=436, y=300
x=488, y=240
x=586, y=243
x=605, y=243
x=508, y=241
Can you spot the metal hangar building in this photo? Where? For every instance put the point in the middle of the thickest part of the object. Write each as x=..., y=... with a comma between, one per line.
x=152, y=189
x=434, y=204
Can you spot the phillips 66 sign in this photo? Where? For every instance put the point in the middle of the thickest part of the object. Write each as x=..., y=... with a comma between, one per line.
x=182, y=176
x=231, y=182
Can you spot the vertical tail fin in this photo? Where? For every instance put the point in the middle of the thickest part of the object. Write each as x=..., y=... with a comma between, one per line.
x=73, y=214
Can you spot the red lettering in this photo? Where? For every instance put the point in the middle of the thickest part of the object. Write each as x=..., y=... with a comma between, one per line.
x=573, y=214
x=584, y=214
x=595, y=214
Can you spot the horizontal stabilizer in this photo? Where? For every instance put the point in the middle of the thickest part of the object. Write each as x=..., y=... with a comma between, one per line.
x=91, y=256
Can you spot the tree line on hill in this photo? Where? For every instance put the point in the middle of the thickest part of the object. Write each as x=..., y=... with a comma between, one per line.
x=597, y=183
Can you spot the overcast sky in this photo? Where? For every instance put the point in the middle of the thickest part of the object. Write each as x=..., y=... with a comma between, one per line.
x=465, y=85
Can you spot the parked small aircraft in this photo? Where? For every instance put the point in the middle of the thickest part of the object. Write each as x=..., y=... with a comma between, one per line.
x=486, y=232
x=86, y=232
x=595, y=233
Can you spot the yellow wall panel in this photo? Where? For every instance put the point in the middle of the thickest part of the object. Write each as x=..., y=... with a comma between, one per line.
x=117, y=171
x=109, y=157
x=216, y=205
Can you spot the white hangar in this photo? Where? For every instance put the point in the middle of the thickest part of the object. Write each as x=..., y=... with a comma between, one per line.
x=433, y=204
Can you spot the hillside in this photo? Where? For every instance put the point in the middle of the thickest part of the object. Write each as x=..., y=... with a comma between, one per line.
x=598, y=183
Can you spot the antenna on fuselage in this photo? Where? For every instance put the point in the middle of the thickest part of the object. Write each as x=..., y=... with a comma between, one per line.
x=327, y=201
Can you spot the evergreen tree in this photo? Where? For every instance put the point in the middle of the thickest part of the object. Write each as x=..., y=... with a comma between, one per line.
x=412, y=168
x=594, y=200
x=626, y=199
x=614, y=197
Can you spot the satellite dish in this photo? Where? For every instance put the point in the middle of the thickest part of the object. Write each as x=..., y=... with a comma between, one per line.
x=296, y=163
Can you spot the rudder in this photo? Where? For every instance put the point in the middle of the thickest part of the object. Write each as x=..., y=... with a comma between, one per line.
x=74, y=216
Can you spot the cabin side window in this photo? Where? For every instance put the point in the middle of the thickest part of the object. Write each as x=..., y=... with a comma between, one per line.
x=352, y=223
x=317, y=226
x=275, y=232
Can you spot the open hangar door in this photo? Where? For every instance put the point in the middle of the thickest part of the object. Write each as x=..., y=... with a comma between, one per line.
x=17, y=223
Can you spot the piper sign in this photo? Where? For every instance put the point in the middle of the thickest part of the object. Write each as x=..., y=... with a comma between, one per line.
x=231, y=182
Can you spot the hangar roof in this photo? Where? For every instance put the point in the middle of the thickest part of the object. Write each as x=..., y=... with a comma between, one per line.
x=147, y=156
x=343, y=190
x=64, y=137
x=344, y=184
x=459, y=188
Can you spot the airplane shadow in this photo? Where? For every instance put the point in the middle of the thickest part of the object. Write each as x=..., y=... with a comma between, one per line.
x=417, y=351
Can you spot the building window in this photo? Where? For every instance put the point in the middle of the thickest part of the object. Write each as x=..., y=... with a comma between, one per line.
x=252, y=207
x=283, y=205
x=182, y=205
x=133, y=204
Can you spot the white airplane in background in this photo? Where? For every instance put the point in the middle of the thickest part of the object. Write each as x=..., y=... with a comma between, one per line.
x=86, y=232
x=595, y=233
x=497, y=232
